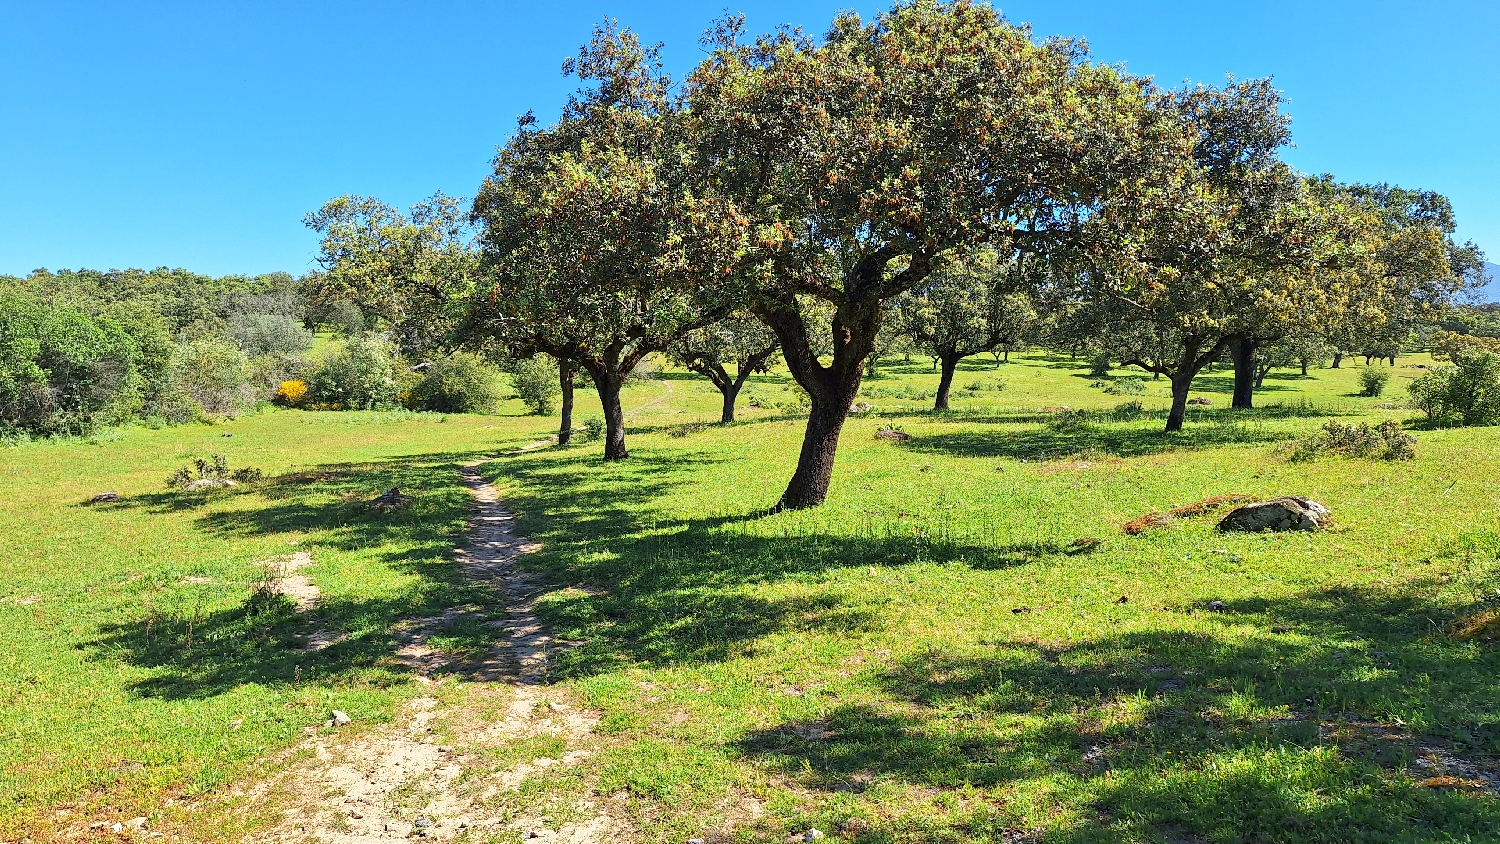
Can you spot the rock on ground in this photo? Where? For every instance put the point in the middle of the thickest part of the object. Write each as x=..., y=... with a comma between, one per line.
x=1291, y=512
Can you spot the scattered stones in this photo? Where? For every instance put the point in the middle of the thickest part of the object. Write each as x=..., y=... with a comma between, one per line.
x=813, y=835
x=206, y=484
x=1200, y=400
x=1289, y=512
x=105, y=498
x=391, y=499
x=895, y=435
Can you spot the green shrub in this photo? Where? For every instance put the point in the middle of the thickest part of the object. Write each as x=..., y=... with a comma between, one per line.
x=1127, y=411
x=269, y=334
x=62, y=371
x=462, y=383
x=536, y=383
x=1468, y=392
x=1070, y=421
x=1385, y=441
x=593, y=429
x=1099, y=365
x=1372, y=381
x=214, y=375
x=1130, y=386
x=359, y=375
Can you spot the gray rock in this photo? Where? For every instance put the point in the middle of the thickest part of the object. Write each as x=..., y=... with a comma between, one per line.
x=391, y=499
x=1218, y=606
x=105, y=498
x=1200, y=400
x=813, y=835
x=340, y=718
x=1291, y=512
x=205, y=484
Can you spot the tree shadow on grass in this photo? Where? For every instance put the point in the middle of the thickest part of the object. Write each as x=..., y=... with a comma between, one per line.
x=1293, y=730
x=1116, y=441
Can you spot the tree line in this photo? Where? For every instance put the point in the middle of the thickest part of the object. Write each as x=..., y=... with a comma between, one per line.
x=935, y=178
x=935, y=174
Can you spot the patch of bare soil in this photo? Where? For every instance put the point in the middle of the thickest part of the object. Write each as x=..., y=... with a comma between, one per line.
x=403, y=782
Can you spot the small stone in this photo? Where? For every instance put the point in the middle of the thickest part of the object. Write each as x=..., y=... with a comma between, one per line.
x=1123, y=599
x=116, y=827
x=356, y=815
x=813, y=835
x=1020, y=610
x=105, y=498
x=557, y=707
x=226, y=434
x=1218, y=606
x=340, y=718
x=696, y=841
x=422, y=822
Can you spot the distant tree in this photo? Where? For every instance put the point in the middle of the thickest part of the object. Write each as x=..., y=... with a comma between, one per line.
x=215, y=375
x=596, y=249
x=741, y=342
x=269, y=334
x=358, y=375
x=415, y=271
x=536, y=383
x=861, y=159
x=1228, y=245
x=961, y=309
x=460, y=383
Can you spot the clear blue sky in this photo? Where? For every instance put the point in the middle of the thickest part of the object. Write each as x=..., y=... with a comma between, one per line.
x=197, y=134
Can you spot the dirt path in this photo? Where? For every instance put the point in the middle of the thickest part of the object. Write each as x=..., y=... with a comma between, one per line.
x=402, y=782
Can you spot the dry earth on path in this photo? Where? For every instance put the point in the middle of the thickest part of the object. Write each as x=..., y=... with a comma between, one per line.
x=403, y=782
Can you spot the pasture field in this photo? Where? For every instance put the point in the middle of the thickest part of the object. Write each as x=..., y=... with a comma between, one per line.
x=960, y=645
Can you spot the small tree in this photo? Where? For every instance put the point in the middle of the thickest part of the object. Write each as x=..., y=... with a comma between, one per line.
x=1372, y=381
x=1468, y=391
x=215, y=374
x=742, y=342
x=459, y=383
x=597, y=249
x=957, y=311
x=536, y=383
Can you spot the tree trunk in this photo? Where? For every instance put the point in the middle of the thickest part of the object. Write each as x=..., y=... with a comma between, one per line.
x=820, y=443
x=1243, y=352
x=945, y=382
x=565, y=372
x=1182, y=382
x=1338, y=358
x=1304, y=367
x=614, y=416
x=730, y=392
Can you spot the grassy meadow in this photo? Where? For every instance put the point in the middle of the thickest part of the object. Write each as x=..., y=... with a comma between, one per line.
x=961, y=645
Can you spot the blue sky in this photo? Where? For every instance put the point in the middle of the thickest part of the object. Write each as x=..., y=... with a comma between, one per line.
x=197, y=134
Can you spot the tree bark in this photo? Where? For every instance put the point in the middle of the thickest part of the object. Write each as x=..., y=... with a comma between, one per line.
x=608, y=385
x=565, y=371
x=945, y=381
x=1182, y=382
x=1304, y=367
x=1243, y=351
x=1338, y=358
x=831, y=387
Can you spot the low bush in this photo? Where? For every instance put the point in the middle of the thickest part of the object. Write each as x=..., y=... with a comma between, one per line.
x=1127, y=411
x=1468, y=392
x=359, y=375
x=215, y=375
x=292, y=393
x=1385, y=441
x=1070, y=421
x=1099, y=365
x=1372, y=381
x=1130, y=386
x=536, y=383
x=211, y=472
x=269, y=334
x=593, y=429
x=462, y=383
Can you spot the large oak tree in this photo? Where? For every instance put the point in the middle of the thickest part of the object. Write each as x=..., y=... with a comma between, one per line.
x=595, y=247
x=862, y=157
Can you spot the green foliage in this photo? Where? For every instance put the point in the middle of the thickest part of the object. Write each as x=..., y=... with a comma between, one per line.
x=1127, y=411
x=1100, y=365
x=1468, y=392
x=459, y=383
x=213, y=468
x=269, y=334
x=536, y=382
x=214, y=375
x=1384, y=441
x=593, y=429
x=1372, y=381
x=359, y=375
x=1126, y=387
x=61, y=371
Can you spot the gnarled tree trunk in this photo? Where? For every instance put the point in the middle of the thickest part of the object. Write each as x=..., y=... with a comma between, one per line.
x=945, y=381
x=1181, y=384
x=608, y=385
x=1243, y=351
x=566, y=370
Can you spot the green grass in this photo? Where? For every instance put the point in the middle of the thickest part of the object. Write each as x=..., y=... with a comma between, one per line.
x=866, y=659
